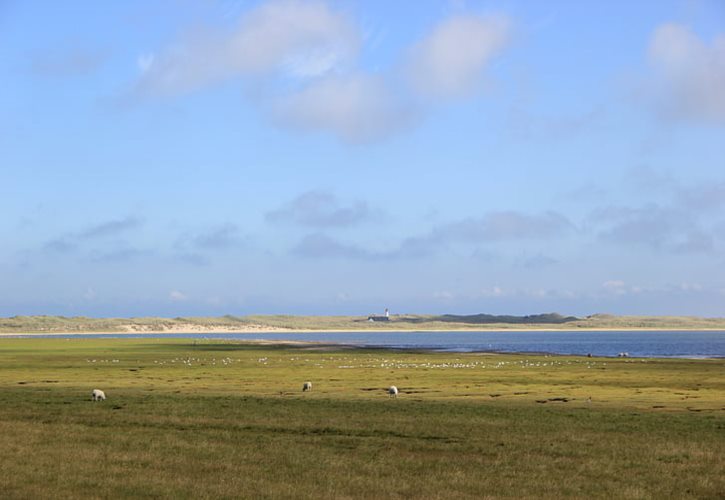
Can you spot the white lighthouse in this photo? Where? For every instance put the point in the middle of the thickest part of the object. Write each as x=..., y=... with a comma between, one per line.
x=385, y=317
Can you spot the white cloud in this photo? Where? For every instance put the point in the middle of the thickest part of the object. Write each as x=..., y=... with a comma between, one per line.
x=616, y=287
x=177, y=296
x=357, y=108
x=449, y=63
x=306, y=38
x=689, y=74
x=691, y=287
x=306, y=56
x=620, y=288
x=494, y=291
x=284, y=31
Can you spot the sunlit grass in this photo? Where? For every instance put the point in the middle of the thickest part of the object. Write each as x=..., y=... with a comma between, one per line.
x=225, y=419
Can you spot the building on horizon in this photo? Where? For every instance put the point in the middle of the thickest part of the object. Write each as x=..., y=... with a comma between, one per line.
x=385, y=317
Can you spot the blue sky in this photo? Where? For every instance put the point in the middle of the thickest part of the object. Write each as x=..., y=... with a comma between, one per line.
x=239, y=157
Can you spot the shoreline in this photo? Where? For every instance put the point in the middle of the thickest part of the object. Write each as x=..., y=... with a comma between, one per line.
x=245, y=331
x=359, y=345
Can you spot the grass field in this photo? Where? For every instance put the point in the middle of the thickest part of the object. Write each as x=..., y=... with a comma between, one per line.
x=212, y=419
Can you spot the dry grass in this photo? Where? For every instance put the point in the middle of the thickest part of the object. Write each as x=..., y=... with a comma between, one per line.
x=56, y=324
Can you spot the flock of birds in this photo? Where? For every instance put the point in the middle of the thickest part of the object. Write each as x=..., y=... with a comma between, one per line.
x=392, y=391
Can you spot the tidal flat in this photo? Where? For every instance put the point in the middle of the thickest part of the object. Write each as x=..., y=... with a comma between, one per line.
x=225, y=419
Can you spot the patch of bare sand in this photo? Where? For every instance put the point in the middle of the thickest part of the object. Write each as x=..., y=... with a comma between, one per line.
x=191, y=328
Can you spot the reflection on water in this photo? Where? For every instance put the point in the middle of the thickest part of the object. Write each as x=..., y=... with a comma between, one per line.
x=685, y=344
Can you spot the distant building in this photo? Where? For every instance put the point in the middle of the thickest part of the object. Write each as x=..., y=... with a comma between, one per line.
x=386, y=317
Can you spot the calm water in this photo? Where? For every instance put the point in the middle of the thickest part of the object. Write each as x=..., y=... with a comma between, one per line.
x=649, y=344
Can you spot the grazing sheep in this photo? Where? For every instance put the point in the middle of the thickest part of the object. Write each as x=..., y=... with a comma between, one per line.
x=623, y=355
x=392, y=392
x=98, y=395
x=307, y=386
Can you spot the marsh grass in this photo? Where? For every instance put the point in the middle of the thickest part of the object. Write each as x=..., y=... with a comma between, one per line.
x=181, y=423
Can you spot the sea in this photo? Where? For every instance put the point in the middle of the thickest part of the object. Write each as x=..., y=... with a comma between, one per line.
x=635, y=343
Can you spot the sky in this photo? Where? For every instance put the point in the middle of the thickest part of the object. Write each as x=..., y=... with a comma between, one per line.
x=210, y=157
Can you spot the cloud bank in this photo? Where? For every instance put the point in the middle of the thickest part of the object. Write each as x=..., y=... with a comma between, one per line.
x=321, y=210
x=494, y=227
x=664, y=229
x=505, y=225
x=112, y=228
x=307, y=56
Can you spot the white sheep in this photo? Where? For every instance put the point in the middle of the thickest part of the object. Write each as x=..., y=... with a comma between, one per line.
x=98, y=395
x=307, y=386
x=392, y=392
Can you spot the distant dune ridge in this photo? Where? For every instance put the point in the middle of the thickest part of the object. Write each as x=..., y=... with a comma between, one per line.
x=484, y=319
x=271, y=323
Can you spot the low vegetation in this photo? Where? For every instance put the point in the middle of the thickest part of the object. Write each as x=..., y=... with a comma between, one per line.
x=57, y=324
x=203, y=419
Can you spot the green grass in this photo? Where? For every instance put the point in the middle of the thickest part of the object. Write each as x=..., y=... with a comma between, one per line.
x=214, y=419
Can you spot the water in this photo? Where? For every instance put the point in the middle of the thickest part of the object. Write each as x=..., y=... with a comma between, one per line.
x=648, y=344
